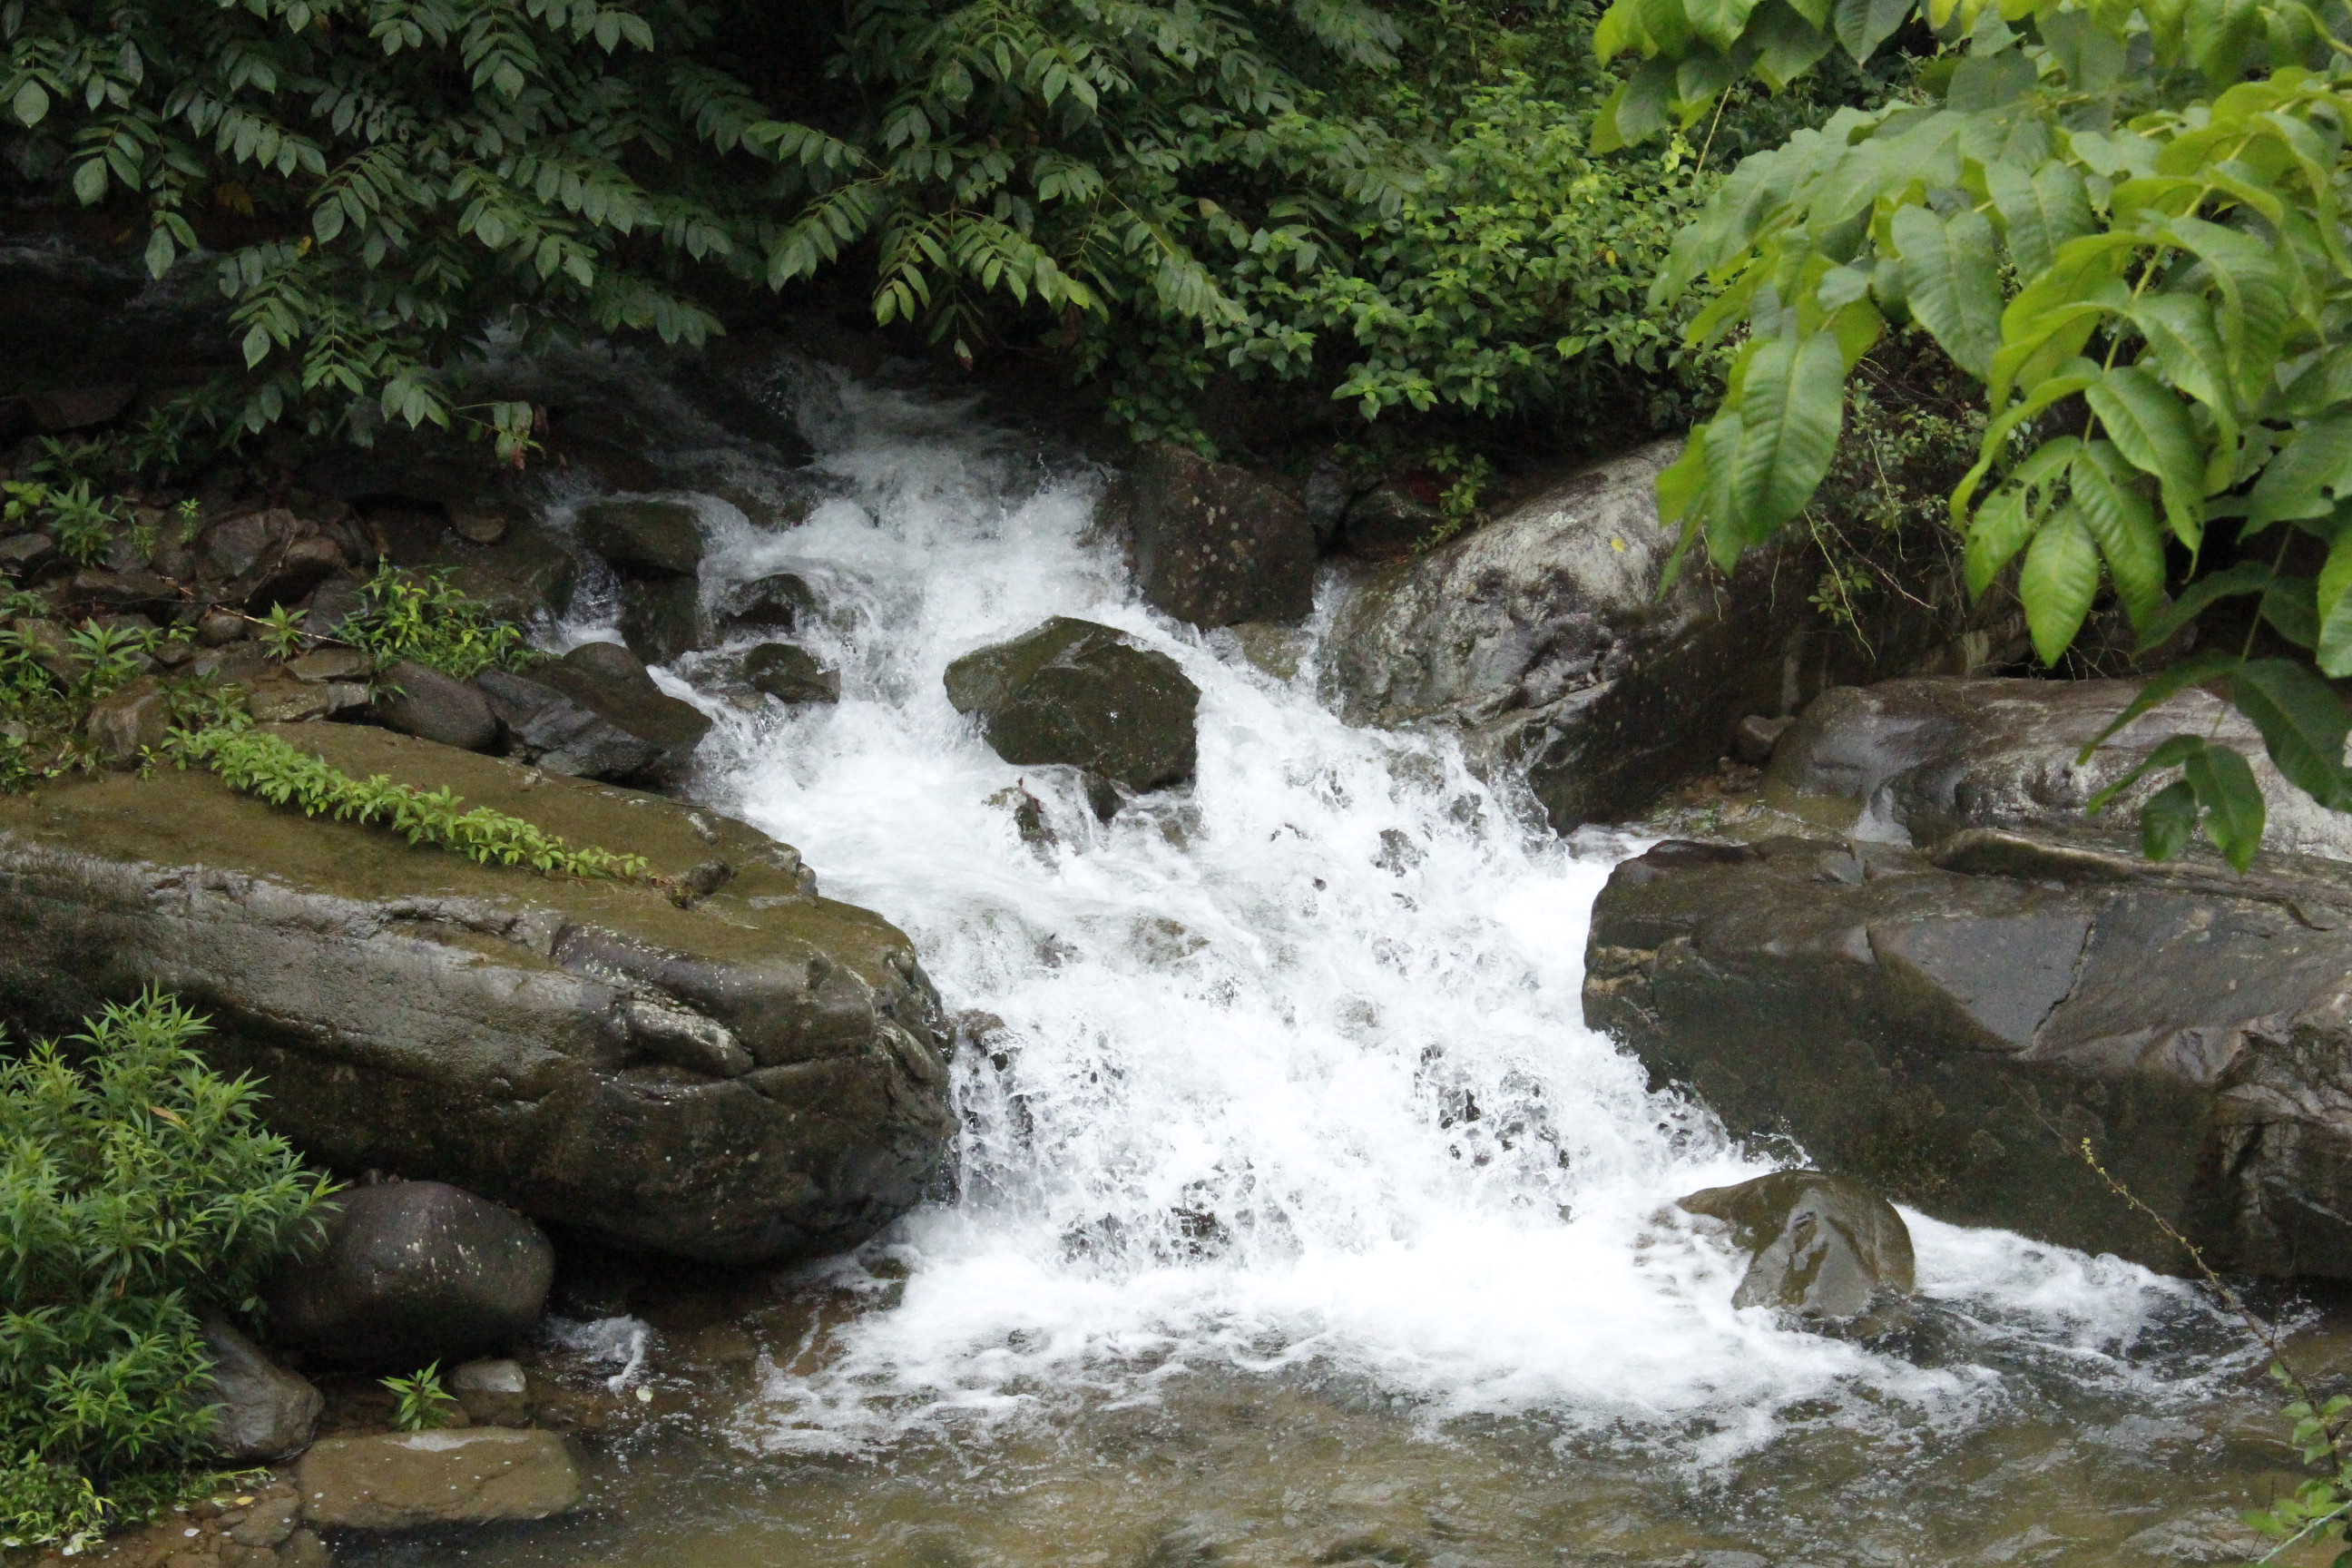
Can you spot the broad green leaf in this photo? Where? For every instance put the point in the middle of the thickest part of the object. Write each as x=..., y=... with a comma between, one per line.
x=1951, y=278
x=1786, y=45
x=2169, y=821
x=1719, y=21
x=2060, y=579
x=2334, y=605
x=2254, y=308
x=2041, y=210
x=2290, y=605
x=90, y=182
x=1683, y=481
x=2299, y=478
x=1863, y=25
x=1790, y=407
x=2169, y=752
x=30, y=104
x=2091, y=57
x=2245, y=577
x=2071, y=379
x=2206, y=664
x=2225, y=788
x=2180, y=329
x=2000, y=528
x=2151, y=428
x=2118, y=518
x=2303, y=722
x=2054, y=315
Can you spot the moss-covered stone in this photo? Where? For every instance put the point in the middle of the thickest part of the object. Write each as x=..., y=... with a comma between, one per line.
x=1077, y=693
x=518, y=1035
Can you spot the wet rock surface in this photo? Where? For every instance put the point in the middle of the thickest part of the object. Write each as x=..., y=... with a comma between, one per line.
x=418, y=1014
x=411, y=1272
x=1820, y=1246
x=1078, y=693
x=407, y=1479
x=1543, y=639
x=266, y=1412
x=1927, y=758
x=1952, y=1030
x=790, y=674
x=596, y=713
x=1214, y=544
x=418, y=700
x=649, y=538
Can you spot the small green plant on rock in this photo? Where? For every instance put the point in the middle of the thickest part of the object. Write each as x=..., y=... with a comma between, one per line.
x=422, y=616
x=424, y=1403
x=137, y=1187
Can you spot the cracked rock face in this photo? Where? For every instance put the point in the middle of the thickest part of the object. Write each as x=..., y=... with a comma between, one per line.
x=754, y=1077
x=1952, y=1029
x=1543, y=637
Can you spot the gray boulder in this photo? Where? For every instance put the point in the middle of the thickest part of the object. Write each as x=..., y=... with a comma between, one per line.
x=1926, y=758
x=411, y=1272
x=1541, y=637
x=1953, y=1029
x=1818, y=1246
x=1214, y=544
x=419, y=701
x=266, y=1413
x=525, y=574
x=404, y=1480
x=661, y=618
x=494, y=1393
x=1077, y=693
x=414, y=1012
x=790, y=674
x=596, y=713
x=644, y=538
x=781, y=602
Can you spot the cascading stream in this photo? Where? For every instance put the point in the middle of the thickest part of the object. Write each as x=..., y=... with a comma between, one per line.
x=1284, y=1072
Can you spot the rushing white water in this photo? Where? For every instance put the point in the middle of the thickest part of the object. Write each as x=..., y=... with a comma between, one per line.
x=1291, y=1069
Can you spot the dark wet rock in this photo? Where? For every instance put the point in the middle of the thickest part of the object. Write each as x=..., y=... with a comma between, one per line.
x=218, y=629
x=790, y=674
x=1754, y=738
x=1951, y=1030
x=781, y=602
x=644, y=538
x=1927, y=759
x=294, y=574
x=410, y=1272
x=480, y=523
x=526, y=574
x=1543, y=639
x=266, y=1413
x=419, y=701
x=595, y=713
x=415, y=1012
x=661, y=618
x=1216, y=544
x=83, y=407
x=237, y=545
x=134, y=590
x=1390, y=521
x=330, y=664
x=1818, y=1246
x=1074, y=692
x=51, y=646
x=23, y=556
x=123, y=726
x=404, y=1480
x=334, y=603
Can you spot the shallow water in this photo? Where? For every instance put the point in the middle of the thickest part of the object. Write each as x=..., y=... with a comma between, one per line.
x=1296, y=1218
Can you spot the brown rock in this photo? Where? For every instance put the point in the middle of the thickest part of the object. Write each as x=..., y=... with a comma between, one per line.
x=80, y=407
x=218, y=629
x=1754, y=738
x=1215, y=546
x=126, y=724
x=494, y=1393
x=419, y=701
x=404, y=1480
x=481, y=524
x=330, y=664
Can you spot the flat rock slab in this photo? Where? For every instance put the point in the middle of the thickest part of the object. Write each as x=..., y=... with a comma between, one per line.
x=404, y=1480
x=1953, y=1030
x=755, y=1076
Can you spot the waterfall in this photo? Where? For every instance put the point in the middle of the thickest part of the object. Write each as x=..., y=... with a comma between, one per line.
x=1284, y=1073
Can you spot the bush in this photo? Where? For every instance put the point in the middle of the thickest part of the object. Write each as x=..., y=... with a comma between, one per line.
x=136, y=1188
x=419, y=615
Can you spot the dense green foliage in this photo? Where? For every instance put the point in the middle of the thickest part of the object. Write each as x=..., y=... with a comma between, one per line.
x=419, y=615
x=50, y=680
x=284, y=774
x=1394, y=207
x=2126, y=222
x=136, y=1188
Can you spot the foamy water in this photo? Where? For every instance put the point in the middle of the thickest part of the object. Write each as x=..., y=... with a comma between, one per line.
x=1292, y=1070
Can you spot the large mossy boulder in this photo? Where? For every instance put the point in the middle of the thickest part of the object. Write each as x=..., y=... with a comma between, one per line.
x=1076, y=693
x=1953, y=1029
x=1542, y=637
x=1927, y=758
x=756, y=1076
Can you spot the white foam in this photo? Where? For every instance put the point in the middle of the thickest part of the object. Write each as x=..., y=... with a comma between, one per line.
x=1293, y=1070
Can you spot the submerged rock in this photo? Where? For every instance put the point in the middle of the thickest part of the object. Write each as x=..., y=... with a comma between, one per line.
x=790, y=674
x=411, y=1012
x=661, y=618
x=1543, y=639
x=265, y=1411
x=404, y=1480
x=411, y=1272
x=648, y=538
x=1820, y=1246
x=1214, y=544
x=1927, y=758
x=1077, y=693
x=1953, y=1030
x=781, y=602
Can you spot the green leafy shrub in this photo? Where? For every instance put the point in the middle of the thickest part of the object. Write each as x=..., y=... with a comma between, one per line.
x=422, y=1404
x=136, y=1188
x=420, y=615
x=2126, y=222
x=284, y=774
